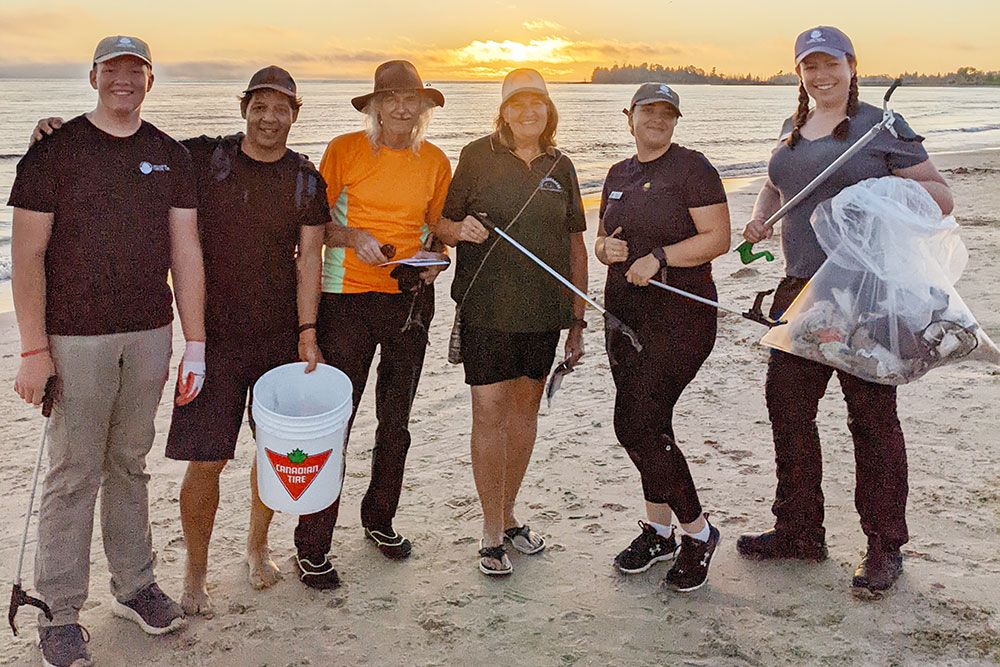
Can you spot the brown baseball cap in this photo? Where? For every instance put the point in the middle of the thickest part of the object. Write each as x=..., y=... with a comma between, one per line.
x=122, y=45
x=398, y=75
x=272, y=77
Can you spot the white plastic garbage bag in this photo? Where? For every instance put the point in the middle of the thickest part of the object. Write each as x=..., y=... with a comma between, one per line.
x=883, y=306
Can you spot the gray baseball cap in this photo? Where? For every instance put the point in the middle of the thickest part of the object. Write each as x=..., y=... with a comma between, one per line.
x=122, y=45
x=823, y=39
x=648, y=93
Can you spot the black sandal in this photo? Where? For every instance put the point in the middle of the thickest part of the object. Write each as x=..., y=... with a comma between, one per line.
x=497, y=553
x=525, y=533
x=321, y=577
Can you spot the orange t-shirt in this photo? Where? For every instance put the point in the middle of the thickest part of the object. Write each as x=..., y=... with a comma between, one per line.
x=395, y=195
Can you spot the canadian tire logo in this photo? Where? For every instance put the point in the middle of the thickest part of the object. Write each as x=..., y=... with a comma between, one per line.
x=296, y=470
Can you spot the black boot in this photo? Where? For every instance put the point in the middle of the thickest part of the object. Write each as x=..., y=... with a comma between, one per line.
x=772, y=545
x=878, y=571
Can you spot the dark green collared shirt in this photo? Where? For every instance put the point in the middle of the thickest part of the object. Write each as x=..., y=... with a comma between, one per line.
x=512, y=293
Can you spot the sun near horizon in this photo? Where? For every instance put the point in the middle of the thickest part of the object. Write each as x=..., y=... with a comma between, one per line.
x=452, y=40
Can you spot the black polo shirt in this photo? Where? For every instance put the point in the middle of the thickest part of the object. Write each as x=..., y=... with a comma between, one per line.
x=107, y=258
x=650, y=202
x=512, y=293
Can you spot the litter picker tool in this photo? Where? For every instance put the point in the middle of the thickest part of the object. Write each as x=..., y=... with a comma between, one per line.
x=18, y=598
x=755, y=314
x=613, y=321
x=745, y=249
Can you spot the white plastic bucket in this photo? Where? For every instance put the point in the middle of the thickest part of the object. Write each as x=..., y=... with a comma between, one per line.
x=301, y=427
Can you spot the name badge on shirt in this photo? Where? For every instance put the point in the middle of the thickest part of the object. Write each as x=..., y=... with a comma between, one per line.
x=615, y=195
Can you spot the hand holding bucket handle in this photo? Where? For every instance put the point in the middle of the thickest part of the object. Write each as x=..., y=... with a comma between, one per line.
x=18, y=597
x=745, y=249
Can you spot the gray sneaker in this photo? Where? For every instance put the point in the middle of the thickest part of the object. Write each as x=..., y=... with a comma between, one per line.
x=64, y=646
x=152, y=610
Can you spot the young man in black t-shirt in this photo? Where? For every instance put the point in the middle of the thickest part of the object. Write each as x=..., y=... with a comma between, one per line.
x=101, y=212
x=263, y=210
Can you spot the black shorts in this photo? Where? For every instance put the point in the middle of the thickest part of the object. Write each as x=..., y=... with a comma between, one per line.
x=206, y=429
x=491, y=356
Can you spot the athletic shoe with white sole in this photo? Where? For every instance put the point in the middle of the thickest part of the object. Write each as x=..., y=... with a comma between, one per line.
x=690, y=571
x=64, y=646
x=152, y=610
x=646, y=550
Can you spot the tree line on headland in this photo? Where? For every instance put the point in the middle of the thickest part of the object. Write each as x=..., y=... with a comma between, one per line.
x=964, y=76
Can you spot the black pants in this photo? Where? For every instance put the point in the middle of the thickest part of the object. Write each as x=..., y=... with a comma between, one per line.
x=350, y=328
x=677, y=335
x=794, y=388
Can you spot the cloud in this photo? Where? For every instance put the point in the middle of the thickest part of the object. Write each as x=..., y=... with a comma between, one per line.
x=548, y=50
x=542, y=25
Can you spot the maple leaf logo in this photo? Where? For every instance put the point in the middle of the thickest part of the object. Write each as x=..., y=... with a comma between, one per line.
x=297, y=456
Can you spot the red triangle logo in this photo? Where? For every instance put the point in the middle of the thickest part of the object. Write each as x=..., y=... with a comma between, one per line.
x=296, y=477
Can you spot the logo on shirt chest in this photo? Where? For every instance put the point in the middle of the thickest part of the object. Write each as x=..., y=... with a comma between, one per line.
x=549, y=184
x=147, y=168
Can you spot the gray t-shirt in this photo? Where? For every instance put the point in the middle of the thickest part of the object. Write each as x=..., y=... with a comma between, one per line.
x=791, y=169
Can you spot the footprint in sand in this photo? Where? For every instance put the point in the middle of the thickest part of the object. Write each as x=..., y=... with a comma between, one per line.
x=745, y=272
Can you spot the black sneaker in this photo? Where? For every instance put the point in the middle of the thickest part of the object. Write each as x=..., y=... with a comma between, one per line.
x=152, y=610
x=390, y=543
x=322, y=576
x=690, y=571
x=650, y=547
x=64, y=646
x=773, y=545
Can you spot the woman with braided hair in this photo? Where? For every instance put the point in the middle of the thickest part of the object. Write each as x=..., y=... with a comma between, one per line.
x=814, y=137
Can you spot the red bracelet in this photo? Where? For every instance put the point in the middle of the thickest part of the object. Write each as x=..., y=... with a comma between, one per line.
x=31, y=353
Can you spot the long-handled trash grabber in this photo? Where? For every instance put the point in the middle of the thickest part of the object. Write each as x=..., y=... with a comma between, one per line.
x=745, y=249
x=18, y=598
x=615, y=323
x=755, y=314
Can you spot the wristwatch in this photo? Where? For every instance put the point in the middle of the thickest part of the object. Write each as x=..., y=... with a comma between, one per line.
x=660, y=256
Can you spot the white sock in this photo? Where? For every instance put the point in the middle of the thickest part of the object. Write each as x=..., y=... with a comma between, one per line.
x=663, y=531
x=703, y=534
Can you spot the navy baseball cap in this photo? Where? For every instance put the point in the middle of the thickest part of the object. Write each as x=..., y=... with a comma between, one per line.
x=648, y=93
x=823, y=39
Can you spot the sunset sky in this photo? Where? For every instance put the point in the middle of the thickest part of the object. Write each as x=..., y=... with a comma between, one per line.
x=448, y=39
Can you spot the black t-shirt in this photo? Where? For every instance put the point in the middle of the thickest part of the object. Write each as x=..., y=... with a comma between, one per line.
x=249, y=214
x=512, y=293
x=650, y=202
x=107, y=259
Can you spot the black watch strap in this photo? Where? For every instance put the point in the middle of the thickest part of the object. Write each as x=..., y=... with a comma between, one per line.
x=660, y=256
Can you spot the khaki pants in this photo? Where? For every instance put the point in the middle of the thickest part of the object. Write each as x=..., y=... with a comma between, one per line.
x=100, y=432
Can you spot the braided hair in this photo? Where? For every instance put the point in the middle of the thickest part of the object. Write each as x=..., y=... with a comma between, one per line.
x=802, y=113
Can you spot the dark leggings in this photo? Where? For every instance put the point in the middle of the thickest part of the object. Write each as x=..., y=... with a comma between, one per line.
x=351, y=326
x=677, y=335
x=794, y=389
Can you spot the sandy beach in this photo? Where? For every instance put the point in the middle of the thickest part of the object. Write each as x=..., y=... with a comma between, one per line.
x=569, y=606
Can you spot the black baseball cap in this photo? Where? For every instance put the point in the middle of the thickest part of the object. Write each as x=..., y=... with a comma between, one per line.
x=648, y=93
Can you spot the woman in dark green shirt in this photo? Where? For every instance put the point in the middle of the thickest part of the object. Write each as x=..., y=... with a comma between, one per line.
x=511, y=311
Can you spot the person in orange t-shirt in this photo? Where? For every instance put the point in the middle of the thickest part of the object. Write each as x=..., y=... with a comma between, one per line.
x=386, y=186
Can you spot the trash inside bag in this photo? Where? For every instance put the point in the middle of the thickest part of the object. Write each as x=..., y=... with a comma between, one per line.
x=883, y=306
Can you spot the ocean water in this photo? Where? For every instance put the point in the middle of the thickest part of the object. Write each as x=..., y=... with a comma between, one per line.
x=734, y=126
